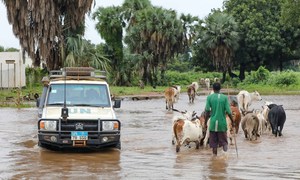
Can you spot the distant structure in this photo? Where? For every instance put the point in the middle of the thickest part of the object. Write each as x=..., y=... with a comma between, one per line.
x=12, y=70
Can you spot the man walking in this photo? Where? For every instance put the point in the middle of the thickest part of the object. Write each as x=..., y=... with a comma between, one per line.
x=218, y=106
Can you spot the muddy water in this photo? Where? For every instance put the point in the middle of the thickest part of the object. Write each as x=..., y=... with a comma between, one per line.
x=147, y=152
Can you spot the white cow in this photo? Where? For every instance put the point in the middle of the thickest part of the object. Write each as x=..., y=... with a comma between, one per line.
x=262, y=126
x=265, y=113
x=186, y=131
x=177, y=90
x=245, y=99
x=207, y=83
x=196, y=85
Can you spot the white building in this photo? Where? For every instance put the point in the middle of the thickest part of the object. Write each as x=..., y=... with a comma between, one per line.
x=12, y=70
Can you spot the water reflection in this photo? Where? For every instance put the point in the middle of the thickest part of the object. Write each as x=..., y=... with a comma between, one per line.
x=217, y=167
x=147, y=151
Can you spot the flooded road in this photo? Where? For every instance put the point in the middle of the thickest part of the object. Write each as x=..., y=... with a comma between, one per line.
x=147, y=151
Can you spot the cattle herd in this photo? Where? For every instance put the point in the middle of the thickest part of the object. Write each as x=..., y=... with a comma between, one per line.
x=187, y=127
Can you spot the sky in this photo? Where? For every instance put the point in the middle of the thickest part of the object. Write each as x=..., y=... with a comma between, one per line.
x=200, y=8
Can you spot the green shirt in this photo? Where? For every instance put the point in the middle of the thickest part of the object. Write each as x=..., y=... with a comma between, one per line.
x=218, y=105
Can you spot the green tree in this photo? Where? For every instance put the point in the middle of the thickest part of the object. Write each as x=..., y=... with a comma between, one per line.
x=290, y=13
x=81, y=53
x=110, y=27
x=264, y=39
x=219, y=37
x=160, y=36
x=41, y=26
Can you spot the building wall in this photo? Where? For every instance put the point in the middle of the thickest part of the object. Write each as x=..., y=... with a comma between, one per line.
x=12, y=70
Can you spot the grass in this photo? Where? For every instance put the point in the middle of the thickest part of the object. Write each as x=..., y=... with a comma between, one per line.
x=9, y=97
x=123, y=91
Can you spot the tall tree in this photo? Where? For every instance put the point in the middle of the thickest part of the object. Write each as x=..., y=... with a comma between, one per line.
x=290, y=13
x=219, y=38
x=41, y=26
x=110, y=27
x=264, y=39
x=160, y=36
x=81, y=53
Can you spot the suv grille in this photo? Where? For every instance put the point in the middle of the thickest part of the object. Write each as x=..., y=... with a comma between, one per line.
x=80, y=125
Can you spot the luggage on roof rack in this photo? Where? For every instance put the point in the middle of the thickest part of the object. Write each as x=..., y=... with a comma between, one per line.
x=78, y=73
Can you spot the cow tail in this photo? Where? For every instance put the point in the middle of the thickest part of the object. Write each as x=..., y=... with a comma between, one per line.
x=174, y=130
x=243, y=100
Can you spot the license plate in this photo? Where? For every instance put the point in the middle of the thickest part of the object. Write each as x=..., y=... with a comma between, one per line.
x=79, y=135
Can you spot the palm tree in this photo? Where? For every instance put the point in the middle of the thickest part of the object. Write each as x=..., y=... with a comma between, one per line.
x=41, y=26
x=81, y=53
x=157, y=36
x=110, y=27
x=220, y=39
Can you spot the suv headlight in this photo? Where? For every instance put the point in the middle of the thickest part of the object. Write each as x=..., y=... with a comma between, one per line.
x=110, y=125
x=48, y=125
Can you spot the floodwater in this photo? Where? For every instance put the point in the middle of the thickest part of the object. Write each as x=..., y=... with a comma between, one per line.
x=147, y=151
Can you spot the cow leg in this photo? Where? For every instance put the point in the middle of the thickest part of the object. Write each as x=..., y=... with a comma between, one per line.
x=231, y=142
x=246, y=134
x=166, y=104
x=280, y=130
x=177, y=148
x=173, y=140
x=197, y=144
x=206, y=138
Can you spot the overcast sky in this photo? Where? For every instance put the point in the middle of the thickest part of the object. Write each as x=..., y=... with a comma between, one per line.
x=200, y=8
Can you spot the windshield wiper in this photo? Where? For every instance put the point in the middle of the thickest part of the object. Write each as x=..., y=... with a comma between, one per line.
x=56, y=103
x=84, y=105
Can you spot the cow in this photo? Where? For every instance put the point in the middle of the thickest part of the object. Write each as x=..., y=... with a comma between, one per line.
x=236, y=116
x=276, y=118
x=202, y=82
x=186, y=131
x=265, y=113
x=191, y=91
x=177, y=92
x=196, y=85
x=170, y=97
x=250, y=125
x=262, y=125
x=185, y=115
x=207, y=83
x=245, y=99
x=216, y=79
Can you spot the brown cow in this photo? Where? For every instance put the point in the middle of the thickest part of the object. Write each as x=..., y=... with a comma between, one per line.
x=191, y=91
x=170, y=93
x=236, y=115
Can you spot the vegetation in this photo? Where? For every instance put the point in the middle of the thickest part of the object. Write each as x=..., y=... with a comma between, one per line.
x=251, y=44
x=42, y=27
x=267, y=83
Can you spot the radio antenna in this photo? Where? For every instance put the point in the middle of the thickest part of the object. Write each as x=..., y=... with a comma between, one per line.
x=65, y=110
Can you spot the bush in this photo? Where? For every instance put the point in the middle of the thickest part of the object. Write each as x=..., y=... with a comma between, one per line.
x=259, y=76
x=286, y=78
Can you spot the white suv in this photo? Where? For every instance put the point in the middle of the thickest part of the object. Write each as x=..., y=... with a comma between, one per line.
x=76, y=111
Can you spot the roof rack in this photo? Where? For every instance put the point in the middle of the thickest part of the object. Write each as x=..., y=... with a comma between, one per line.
x=77, y=73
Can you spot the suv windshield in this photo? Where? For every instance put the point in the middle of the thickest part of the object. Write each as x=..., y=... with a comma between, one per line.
x=79, y=95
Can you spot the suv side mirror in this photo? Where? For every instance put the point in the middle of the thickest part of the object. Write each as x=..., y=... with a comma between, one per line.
x=117, y=103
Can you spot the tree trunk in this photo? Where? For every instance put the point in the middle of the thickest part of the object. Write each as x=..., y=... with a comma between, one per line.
x=231, y=74
x=242, y=71
x=223, y=77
